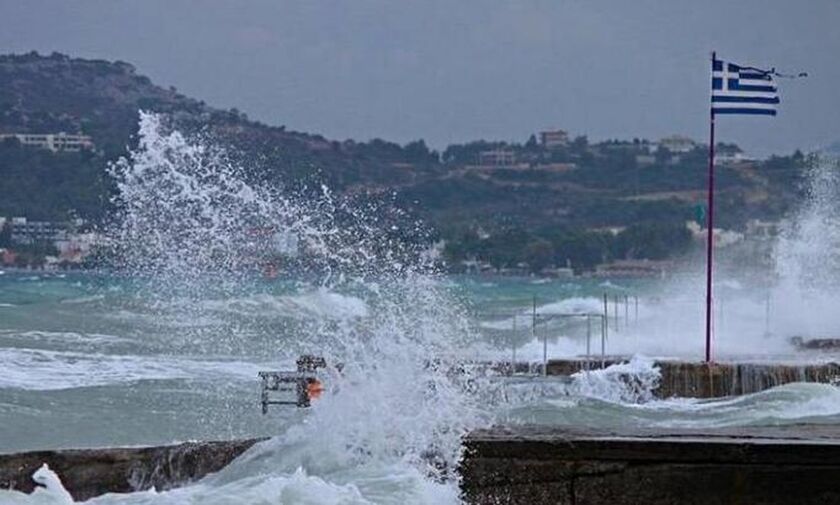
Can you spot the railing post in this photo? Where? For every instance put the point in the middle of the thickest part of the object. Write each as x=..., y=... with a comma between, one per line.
x=534, y=335
x=626, y=311
x=606, y=312
x=545, y=355
x=513, y=347
x=603, y=340
x=588, y=339
x=767, y=314
x=264, y=395
x=636, y=299
x=615, y=311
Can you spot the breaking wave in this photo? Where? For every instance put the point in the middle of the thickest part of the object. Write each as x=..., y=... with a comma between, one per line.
x=199, y=235
x=45, y=370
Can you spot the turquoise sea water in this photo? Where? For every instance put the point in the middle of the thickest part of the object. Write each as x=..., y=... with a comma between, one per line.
x=168, y=348
x=91, y=360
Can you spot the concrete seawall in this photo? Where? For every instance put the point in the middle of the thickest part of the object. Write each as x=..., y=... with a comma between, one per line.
x=531, y=465
x=702, y=380
x=87, y=473
x=567, y=466
x=552, y=464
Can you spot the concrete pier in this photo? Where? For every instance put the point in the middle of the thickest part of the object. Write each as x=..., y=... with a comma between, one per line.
x=703, y=380
x=567, y=466
x=87, y=473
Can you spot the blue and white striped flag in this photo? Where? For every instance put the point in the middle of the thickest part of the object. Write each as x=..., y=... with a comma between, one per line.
x=742, y=90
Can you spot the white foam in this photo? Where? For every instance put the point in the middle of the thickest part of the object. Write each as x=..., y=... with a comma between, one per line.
x=398, y=484
x=541, y=280
x=567, y=306
x=573, y=305
x=83, y=299
x=49, y=491
x=796, y=402
x=64, y=337
x=52, y=484
x=44, y=370
x=558, y=347
x=319, y=303
x=630, y=382
x=610, y=285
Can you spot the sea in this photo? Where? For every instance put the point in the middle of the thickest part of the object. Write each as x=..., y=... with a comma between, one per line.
x=165, y=344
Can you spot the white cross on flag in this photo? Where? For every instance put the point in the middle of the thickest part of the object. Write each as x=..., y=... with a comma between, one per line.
x=742, y=90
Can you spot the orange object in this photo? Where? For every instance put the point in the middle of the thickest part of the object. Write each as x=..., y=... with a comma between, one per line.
x=314, y=389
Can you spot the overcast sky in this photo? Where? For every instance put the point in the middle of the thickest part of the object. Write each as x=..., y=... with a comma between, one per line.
x=455, y=70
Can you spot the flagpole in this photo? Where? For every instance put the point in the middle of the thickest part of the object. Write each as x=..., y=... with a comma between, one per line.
x=710, y=220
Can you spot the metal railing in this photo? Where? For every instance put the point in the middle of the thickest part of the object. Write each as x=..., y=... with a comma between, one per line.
x=594, y=322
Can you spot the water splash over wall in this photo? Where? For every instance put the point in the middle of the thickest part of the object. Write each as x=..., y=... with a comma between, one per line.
x=198, y=232
x=757, y=308
x=807, y=260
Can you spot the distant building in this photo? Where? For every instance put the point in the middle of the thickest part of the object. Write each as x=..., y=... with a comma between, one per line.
x=558, y=272
x=730, y=158
x=729, y=155
x=73, y=248
x=553, y=139
x=27, y=232
x=635, y=268
x=497, y=158
x=54, y=142
x=677, y=144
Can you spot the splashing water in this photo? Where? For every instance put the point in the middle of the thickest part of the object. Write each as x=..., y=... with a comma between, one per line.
x=631, y=382
x=807, y=263
x=186, y=211
x=198, y=235
x=756, y=310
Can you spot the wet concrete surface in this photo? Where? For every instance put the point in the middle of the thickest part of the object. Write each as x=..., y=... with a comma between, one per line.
x=573, y=465
x=688, y=379
x=87, y=473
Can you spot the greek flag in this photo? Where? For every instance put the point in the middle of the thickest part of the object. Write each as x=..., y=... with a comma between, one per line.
x=742, y=90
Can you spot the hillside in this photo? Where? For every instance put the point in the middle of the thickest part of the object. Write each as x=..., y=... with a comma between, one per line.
x=543, y=203
x=57, y=93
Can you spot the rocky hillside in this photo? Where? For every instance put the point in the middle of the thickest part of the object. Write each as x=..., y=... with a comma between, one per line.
x=57, y=93
x=547, y=199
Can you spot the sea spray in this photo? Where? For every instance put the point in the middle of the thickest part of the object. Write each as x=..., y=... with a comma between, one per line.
x=631, y=382
x=197, y=234
x=807, y=266
x=756, y=308
x=195, y=230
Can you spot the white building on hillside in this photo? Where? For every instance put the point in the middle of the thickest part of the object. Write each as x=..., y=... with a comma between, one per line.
x=497, y=158
x=54, y=142
x=677, y=144
x=27, y=232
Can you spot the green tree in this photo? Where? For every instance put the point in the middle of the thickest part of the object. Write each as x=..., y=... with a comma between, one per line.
x=531, y=144
x=539, y=254
x=418, y=152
